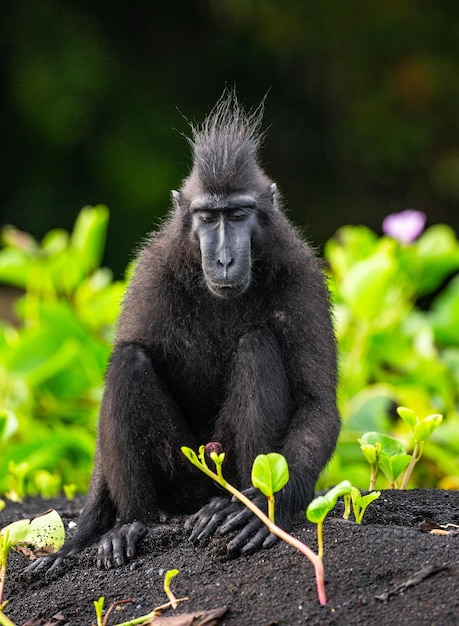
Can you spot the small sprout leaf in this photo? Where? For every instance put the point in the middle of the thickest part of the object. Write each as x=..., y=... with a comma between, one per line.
x=217, y=458
x=191, y=455
x=370, y=452
x=168, y=576
x=393, y=466
x=408, y=416
x=270, y=473
x=317, y=509
x=365, y=500
x=341, y=489
x=389, y=445
x=424, y=428
x=360, y=503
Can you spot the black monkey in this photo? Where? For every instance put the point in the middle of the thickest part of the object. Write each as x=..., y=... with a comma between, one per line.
x=225, y=335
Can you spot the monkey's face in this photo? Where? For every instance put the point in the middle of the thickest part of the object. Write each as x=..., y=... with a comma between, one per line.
x=225, y=230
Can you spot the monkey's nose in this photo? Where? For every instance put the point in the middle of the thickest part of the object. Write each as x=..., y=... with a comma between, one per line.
x=225, y=260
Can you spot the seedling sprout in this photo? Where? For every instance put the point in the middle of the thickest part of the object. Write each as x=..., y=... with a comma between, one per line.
x=321, y=506
x=359, y=503
x=389, y=455
x=199, y=461
x=173, y=602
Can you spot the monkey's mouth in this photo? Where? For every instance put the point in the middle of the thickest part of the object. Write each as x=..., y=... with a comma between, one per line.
x=227, y=290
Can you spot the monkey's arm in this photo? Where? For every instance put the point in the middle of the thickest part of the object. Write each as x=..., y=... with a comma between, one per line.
x=283, y=392
x=257, y=414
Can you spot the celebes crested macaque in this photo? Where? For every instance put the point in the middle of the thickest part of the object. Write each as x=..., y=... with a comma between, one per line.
x=225, y=335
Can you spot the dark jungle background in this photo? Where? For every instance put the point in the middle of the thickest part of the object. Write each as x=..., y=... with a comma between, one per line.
x=362, y=110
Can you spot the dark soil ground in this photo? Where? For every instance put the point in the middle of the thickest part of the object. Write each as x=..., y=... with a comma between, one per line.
x=372, y=572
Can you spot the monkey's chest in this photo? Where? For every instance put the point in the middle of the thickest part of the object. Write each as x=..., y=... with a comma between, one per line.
x=195, y=373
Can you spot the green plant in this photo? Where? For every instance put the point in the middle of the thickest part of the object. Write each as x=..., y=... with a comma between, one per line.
x=359, y=503
x=269, y=475
x=396, y=310
x=385, y=454
x=421, y=429
x=168, y=576
x=217, y=456
x=173, y=602
x=389, y=455
x=45, y=532
x=321, y=506
x=52, y=363
x=69, y=491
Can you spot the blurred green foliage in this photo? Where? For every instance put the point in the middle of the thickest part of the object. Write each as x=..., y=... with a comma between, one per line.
x=396, y=314
x=52, y=365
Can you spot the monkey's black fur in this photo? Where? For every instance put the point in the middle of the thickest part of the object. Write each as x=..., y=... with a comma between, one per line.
x=225, y=335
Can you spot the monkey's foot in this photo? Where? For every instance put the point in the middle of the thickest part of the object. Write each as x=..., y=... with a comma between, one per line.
x=119, y=544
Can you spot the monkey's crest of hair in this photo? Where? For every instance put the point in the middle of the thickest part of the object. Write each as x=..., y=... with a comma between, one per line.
x=225, y=148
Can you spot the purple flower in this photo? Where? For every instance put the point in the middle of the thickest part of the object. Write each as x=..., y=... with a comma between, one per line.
x=405, y=226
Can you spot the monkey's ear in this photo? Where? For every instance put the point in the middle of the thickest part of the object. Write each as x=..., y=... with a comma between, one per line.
x=176, y=198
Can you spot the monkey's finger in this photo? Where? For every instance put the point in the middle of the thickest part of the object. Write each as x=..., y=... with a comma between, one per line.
x=57, y=563
x=211, y=526
x=206, y=527
x=270, y=540
x=251, y=492
x=190, y=521
x=248, y=531
x=235, y=521
x=37, y=565
x=206, y=521
x=117, y=550
x=136, y=532
x=257, y=541
x=202, y=522
x=105, y=553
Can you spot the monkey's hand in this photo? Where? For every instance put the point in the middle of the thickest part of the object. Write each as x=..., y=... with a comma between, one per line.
x=223, y=515
x=119, y=544
x=114, y=549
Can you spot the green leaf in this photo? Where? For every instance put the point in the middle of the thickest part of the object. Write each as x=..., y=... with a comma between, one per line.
x=365, y=500
x=46, y=530
x=318, y=509
x=15, y=532
x=426, y=426
x=88, y=236
x=408, y=416
x=8, y=424
x=370, y=451
x=341, y=489
x=389, y=445
x=191, y=455
x=270, y=473
x=393, y=466
x=367, y=282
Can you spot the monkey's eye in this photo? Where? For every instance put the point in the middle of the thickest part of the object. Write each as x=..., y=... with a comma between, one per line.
x=208, y=217
x=237, y=216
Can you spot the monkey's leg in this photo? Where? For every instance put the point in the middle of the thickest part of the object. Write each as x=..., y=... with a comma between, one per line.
x=256, y=414
x=141, y=430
